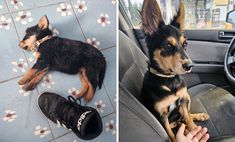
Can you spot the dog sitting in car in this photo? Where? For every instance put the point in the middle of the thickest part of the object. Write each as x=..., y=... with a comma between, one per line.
x=164, y=91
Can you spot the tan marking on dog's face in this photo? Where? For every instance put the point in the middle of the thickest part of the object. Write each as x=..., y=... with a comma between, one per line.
x=29, y=43
x=182, y=40
x=169, y=64
x=172, y=40
x=162, y=106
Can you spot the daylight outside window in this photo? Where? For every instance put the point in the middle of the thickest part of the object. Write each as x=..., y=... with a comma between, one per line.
x=200, y=14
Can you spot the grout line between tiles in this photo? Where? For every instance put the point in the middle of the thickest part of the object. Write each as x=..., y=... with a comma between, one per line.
x=11, y=79
x=9, y=10
x=53, y=137
x=108, y=115
x=77, y=20
x=107, y=94
x=17, y=34
x=113, y=46
x=61, y=136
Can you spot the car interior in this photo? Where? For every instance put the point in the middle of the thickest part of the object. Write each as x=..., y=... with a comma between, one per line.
x=210, y=84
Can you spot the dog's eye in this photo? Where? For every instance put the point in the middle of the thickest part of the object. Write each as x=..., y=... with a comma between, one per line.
x=185, y=44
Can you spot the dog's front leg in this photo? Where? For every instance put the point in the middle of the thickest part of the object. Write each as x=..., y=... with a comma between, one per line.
x=183, y=110
x=37, y=77
x=28, y=76
x=166, y=124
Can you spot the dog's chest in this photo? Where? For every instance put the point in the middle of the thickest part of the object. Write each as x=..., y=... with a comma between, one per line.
x=171, y=102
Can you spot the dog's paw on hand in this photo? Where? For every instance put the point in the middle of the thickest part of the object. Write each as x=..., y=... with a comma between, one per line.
x=28, y=87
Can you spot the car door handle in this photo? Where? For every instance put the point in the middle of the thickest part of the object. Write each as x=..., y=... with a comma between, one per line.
x=225, y=35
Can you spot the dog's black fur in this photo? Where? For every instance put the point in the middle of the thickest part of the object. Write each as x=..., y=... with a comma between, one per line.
x=164, y=92
x=61, y=54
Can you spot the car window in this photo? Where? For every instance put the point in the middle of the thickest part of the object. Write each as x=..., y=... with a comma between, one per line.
x=200, y=14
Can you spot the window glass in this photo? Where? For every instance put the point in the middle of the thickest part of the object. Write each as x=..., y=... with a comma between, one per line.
x=200, y=14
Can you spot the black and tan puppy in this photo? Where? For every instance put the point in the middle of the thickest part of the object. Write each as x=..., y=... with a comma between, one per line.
x=65, y=55
x=164, y=92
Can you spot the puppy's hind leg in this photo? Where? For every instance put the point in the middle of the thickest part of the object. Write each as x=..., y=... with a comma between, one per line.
x=92, y=83
x=84, y=81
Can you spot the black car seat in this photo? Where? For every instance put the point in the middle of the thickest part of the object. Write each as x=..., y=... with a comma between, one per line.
x=137, y=124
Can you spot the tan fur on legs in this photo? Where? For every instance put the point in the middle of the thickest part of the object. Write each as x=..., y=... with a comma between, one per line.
x=186, y=117
x=199, y=116
x=90, y=93
x=37, y=77
x=84, y=80
x=168, y=129
x=28, y=76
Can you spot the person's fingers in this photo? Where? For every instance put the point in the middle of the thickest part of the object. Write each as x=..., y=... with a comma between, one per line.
x=200, y=134
x=191, y=134
x=181, y=129
x=205, y=138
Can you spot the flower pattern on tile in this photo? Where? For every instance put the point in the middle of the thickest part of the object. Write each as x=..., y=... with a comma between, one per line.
x=100, y=106
x=19, y=66
x=64, y=9
x=113, y=1
x=81, y=6
x=104, y=19
x=41, y=132
x=110, y=126
x=24, y=17
x=73, y=91
x=5, y=22
x=93, y=42
x=32, y=59
x=17, y=4
x=10, y=115
x=47, y=81
x=23, y=92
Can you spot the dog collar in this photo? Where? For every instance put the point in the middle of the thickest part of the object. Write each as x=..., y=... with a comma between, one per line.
x=155, y=72
x=40, y=41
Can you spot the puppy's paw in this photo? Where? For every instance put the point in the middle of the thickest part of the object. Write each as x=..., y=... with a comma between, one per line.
x=22, y=82
x=28, y=87
x=200, y=116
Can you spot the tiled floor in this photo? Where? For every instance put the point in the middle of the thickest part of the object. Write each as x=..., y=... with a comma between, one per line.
x=93, y=21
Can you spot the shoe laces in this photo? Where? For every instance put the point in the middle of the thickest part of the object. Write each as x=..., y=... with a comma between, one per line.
x=67, y=112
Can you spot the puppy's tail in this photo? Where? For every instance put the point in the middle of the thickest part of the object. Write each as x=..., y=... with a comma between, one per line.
x=102, y=73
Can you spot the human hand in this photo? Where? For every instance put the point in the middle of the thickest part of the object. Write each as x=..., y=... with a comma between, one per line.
x=199, y=134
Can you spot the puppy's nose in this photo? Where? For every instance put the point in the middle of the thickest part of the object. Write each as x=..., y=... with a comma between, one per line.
x=187, y=67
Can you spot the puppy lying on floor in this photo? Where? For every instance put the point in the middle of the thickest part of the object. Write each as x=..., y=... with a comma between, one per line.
x=61, y=54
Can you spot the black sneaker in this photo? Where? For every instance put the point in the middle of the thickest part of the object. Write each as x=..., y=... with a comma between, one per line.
x=84, y=121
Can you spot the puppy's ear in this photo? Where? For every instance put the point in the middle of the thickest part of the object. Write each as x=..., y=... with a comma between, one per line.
x=178, y=19
x=43, y=22
x=151, y=16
